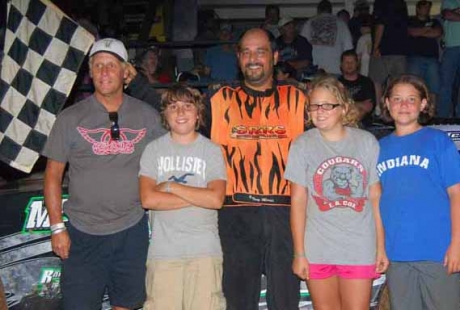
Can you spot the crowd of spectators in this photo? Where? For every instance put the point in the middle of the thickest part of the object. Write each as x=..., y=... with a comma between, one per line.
x=375, y=46
x=386, y=42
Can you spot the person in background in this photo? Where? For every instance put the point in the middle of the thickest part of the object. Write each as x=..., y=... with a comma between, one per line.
x=188, y=77
x=450, y=63
x=182, y=179
x=335, y=190
x=364, y=45
x=423, y=48
x=220, y=61
x=272, y=17
x=344, y=15
x=82, y=16
x=329, y=37
x=292, y=47
x=284, y=71
x=255, y=121
x=208, y=30
x=420, y=204
x=148, y=63
x=360, y=87
x=361, y=12
x=104, y=244
x=389, y=48
x=139, y=87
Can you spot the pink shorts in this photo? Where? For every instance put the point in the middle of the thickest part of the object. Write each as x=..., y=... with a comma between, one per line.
x=323, y=271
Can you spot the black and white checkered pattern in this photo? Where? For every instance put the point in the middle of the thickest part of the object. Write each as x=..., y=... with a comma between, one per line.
x=42, y=55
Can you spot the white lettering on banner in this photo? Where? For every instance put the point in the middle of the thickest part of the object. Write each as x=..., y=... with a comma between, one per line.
x=49, y=275
x=37, y=218
x=411, y=160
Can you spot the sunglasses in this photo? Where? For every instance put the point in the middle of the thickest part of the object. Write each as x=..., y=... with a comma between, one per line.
x=114, y=128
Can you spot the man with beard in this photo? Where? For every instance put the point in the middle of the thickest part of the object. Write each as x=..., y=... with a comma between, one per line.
x=255, y=122
x=360, y=87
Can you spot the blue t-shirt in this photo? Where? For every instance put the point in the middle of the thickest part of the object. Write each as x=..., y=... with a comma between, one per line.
x=415, y=171
x=223, y=64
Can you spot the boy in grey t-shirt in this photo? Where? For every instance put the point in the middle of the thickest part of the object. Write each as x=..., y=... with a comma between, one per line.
x=183, y=179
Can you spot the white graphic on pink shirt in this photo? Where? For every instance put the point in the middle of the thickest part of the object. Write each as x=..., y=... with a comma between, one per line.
x=103, y=144
x=340, y=182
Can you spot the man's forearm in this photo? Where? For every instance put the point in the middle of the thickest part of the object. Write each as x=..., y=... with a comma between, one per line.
x=451, y=15
x=378, y=35
x=416, y=32
x=53, y=191
x=432, y=33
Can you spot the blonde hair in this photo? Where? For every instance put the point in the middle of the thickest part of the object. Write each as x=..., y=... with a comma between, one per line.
x=429, y=110
x=338, y=90
x=182, y=92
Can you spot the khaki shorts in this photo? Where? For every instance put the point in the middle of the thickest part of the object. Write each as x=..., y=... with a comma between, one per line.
x=386, y=67
x=184, y=284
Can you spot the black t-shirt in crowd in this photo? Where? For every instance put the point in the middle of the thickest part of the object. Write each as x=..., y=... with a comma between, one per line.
x=392, y=14
x=422, y=46
x=299, y=49
x=361, y=89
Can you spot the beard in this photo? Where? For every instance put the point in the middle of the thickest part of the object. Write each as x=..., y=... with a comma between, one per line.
x=255, y=76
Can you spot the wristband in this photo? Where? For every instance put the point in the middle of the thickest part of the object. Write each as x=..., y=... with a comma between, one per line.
x=57, y=226
x=168, y=187
x=58, y=231
x=296, y=255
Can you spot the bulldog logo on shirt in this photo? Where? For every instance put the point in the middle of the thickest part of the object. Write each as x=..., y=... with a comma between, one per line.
x=340, y=182
x=102, y=144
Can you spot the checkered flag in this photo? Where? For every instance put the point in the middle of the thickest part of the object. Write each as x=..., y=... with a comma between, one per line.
x=42, y=55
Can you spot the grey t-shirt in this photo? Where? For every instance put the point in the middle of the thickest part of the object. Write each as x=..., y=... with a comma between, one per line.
x=340, y=227
x=192, y=231
x=103, y=184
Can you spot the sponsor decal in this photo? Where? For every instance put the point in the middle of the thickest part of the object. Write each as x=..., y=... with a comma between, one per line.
x=48, y=283
x=37, y=219
x=259, y=132
x=454, y=135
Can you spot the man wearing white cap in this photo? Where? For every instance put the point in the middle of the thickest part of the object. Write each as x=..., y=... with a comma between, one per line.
x=293, y=48
x=104, y=244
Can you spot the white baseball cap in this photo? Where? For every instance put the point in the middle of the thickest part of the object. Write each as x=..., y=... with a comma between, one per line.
x=285, y=20
x=112, y=46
